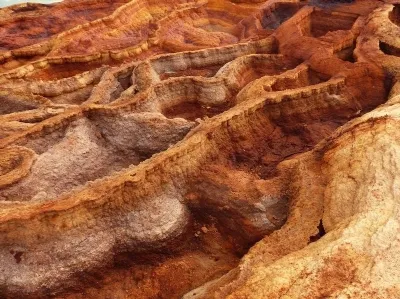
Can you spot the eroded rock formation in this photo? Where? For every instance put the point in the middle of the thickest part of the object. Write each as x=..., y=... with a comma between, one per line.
x=200, y=149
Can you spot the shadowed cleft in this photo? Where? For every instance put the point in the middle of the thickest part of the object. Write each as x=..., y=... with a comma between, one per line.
x=388, y=49
x=320, y=234
x=17, y=255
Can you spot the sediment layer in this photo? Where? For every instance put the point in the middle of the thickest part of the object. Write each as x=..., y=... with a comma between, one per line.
x=200, y=149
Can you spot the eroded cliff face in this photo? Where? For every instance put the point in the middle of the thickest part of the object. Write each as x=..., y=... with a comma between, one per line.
x=200, y=149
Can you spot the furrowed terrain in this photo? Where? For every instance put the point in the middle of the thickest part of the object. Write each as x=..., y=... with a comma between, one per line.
x=200, y=149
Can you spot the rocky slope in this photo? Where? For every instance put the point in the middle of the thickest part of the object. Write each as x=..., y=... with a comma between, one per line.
x=200, y=149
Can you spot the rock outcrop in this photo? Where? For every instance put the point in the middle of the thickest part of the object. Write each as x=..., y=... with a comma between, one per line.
x=200, y=149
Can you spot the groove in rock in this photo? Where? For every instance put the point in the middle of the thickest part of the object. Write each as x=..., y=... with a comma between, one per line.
x=394, y=15
x=388, y=49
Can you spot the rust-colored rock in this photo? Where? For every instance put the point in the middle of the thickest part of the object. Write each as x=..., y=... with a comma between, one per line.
x=200, y=149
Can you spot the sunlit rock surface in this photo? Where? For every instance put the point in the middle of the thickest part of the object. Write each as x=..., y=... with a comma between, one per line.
x=5, y=3
x=200, y=149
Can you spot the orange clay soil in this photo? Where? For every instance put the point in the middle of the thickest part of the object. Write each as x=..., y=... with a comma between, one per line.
x=200, y=149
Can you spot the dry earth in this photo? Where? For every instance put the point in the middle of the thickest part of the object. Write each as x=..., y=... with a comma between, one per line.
x=200, y=149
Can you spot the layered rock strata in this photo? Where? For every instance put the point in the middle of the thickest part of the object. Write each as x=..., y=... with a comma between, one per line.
x=200, y=149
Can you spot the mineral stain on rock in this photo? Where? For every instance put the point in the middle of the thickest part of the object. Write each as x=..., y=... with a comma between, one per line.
x=199, y=149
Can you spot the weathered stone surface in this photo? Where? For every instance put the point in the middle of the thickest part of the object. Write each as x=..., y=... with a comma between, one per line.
x=200, y=149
